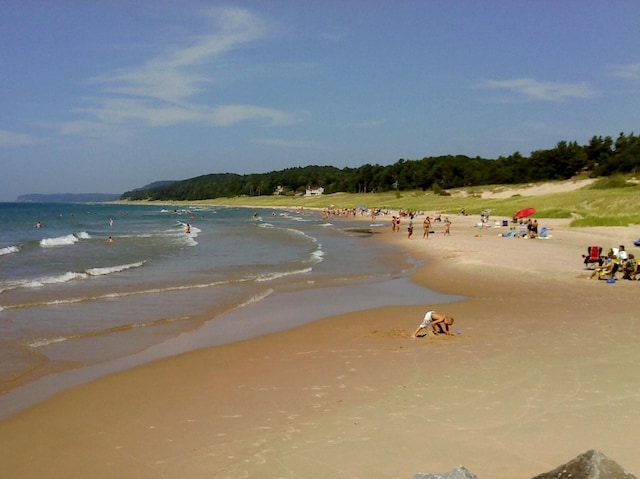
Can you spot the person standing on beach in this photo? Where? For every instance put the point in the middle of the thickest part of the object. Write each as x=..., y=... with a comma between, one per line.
x=410, y=228
x=447, y=227
x=426, y=226
x=438, y=322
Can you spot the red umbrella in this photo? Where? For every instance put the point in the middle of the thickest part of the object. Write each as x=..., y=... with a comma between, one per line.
x=525, y=212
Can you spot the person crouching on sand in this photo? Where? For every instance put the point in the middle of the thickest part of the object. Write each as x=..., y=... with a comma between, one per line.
x=439, y=323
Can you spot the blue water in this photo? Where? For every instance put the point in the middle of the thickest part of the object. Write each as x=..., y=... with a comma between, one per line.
x=70, y=298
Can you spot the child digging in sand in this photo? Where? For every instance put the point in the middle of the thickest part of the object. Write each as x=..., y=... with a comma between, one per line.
x=439, y=323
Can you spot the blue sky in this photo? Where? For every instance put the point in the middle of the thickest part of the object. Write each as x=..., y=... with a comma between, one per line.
x=100, y=96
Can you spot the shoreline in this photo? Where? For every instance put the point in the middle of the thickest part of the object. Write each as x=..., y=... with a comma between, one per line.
x=536, y=377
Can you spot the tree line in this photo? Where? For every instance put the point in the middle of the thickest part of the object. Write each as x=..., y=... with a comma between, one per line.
x=602, y=156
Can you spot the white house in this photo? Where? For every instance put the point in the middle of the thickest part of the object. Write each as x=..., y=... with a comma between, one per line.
x=314, y=191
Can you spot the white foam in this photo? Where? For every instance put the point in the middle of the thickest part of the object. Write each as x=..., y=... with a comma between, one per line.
x=258, y=297
x=63, y=278
x=280, y=274
x=39, y=343
x=65, y=240
x=317, y=256
x=113, y=269
x=59, y=241
x=9, y=250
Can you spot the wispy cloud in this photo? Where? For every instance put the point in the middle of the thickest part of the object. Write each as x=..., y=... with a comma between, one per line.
x=174, y=76
x=164, y=90
x=280, y=143
x=544, y=91
x=151, y=114
x=12, y=139
x=630, y=71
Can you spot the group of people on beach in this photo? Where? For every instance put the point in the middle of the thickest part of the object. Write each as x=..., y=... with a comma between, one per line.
x=427, y=225
x=617, y=261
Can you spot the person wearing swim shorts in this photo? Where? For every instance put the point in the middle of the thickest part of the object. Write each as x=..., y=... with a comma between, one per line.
x=438, y=322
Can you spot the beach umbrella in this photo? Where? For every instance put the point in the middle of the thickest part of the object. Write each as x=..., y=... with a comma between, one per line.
x=524, y=213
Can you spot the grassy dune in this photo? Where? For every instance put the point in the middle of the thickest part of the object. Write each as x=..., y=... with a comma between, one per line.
x=603, y=203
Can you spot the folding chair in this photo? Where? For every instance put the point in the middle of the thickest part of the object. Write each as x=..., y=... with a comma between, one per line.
x=593, y=257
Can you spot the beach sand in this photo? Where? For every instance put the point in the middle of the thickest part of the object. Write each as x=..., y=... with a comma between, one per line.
x=546, y=367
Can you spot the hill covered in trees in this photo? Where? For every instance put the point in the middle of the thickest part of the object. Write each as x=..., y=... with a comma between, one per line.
x=600, y=157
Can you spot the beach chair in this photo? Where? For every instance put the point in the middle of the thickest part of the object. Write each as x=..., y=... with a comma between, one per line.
x=593, y=257
x=544, y=233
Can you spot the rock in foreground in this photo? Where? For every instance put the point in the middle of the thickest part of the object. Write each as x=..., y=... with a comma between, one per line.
x=589, y=465
x=459, y=472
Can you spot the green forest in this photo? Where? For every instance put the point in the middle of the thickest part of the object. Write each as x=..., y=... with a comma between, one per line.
x=601, y=157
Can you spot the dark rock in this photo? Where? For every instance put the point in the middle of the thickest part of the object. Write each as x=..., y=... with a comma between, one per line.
x=459, y=472
x=589, y=465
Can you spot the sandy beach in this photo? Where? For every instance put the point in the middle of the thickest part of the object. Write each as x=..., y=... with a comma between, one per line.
x=546, y=366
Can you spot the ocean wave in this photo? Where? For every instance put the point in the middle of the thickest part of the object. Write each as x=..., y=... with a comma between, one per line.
x=39, y=343
x=317, y=256
x=9, y=250
x=188, y=236
x=40, y=282
x=62, y=278
x=121, y=294
x=280, y=274
x=65, y=240
x=259, y=278
x=43, y=342
x=113, y=269
x=296, y=218
x=257, y=298
x=65, y=278
x=301, y=233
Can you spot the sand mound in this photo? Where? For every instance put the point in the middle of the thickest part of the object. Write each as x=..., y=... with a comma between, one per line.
x=536, y=189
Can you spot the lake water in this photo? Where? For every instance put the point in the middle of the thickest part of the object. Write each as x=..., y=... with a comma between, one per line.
x=75, y=304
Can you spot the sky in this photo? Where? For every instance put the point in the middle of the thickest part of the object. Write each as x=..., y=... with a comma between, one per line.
x=107, y=96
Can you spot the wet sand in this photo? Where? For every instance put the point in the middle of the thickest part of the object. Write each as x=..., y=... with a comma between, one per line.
x=546, y=367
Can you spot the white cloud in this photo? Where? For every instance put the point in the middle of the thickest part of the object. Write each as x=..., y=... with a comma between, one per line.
x=163, y=91
x=630, y=71
x=228, y=115
x=546, y=91
x=157, y=114
x=173, y=76
x=12, y=139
